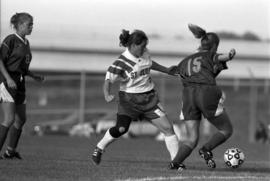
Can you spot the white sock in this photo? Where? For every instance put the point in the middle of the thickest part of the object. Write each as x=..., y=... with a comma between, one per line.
x=172, y=145
x=106, y=140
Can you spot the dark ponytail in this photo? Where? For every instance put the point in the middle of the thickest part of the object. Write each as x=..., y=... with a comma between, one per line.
x=208, y=40
x=197, y=31
x=136, y=37
x=124, y=37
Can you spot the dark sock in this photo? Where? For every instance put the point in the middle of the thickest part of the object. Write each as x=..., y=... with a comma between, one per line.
x=183, y=152
x=3, y=135
x=215, y=141
x=14, y=137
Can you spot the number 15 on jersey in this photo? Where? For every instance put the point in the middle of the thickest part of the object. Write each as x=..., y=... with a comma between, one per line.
x=194, y=65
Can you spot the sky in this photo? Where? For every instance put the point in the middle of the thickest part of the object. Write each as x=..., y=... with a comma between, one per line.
x=166, y=17
x=84, y=23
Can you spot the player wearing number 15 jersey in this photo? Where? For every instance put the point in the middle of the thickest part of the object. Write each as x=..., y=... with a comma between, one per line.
x=201, y=68
x=201, y=96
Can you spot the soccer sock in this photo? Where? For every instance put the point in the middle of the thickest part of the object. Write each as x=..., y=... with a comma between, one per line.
x=172, y=145
x=14, y=136
x=3, y=135
x=215, y=140
x=183, y=152
x=106, y=140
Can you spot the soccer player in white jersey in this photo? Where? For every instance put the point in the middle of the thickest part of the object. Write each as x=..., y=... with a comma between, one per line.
x=137, y=97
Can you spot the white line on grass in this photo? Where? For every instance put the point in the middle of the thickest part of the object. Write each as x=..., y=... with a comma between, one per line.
x=196, y=178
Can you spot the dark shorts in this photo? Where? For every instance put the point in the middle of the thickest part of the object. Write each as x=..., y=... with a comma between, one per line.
x=140, y=105
x=198, y=100
x=13, y=95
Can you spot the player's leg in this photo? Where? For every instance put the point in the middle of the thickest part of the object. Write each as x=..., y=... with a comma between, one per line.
x=9, y=117
x=225, y=130
x=186, y=147
x=224, y=126
x=15, y=132
x=192, y=116
x=166, y=127
x=213, y=110
x=121, y=127
x=153, y=111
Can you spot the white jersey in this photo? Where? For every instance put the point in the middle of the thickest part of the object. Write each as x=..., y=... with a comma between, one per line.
x=133, y=73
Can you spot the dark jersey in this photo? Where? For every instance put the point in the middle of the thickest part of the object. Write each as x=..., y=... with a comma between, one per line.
x=16, y=54
x=200, y=68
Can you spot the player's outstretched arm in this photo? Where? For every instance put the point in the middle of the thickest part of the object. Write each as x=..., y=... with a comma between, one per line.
x=36, y=77
x=227, y=57
x=170, y=70
x=158, y=67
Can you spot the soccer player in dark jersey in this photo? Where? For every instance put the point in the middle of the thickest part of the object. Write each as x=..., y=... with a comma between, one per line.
x=202, y=96
x=137, y=98
x=15, y=58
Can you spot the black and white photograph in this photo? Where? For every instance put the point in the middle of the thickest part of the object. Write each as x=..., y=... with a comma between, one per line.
x=134, y=90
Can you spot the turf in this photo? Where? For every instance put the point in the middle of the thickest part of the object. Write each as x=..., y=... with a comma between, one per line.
x=57, y=158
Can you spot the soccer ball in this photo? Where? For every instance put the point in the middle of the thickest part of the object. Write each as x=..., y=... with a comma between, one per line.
x=234, y=157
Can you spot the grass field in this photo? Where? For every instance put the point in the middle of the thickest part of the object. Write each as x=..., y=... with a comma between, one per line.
x=62, y=158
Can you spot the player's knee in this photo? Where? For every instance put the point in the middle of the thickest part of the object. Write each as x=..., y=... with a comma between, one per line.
x=19, y=123
x=168, y=130
x=121, y=126
x=228, y=132
x=192, y=142
x=122, y=130
x=223, y=124
x=116, y=132
x=8, y=120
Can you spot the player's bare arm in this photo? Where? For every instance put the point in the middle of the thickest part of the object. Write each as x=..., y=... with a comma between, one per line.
x=170, y=70
x=39, y=78
x=227, y=57
x=10, y=81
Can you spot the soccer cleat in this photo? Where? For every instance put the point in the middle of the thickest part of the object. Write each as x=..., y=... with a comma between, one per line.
x=96, y=156
x=176, y=166
x=9, y=154
x=208, y=157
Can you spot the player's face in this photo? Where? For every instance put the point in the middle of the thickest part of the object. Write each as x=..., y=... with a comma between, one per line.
x=214, y=48
x=138, y=50
x=27, y=27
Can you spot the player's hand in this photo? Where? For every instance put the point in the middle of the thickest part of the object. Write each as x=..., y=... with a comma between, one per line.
x=109, y=98
x=173, y=70
x=11, y=84
x=232, y=53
